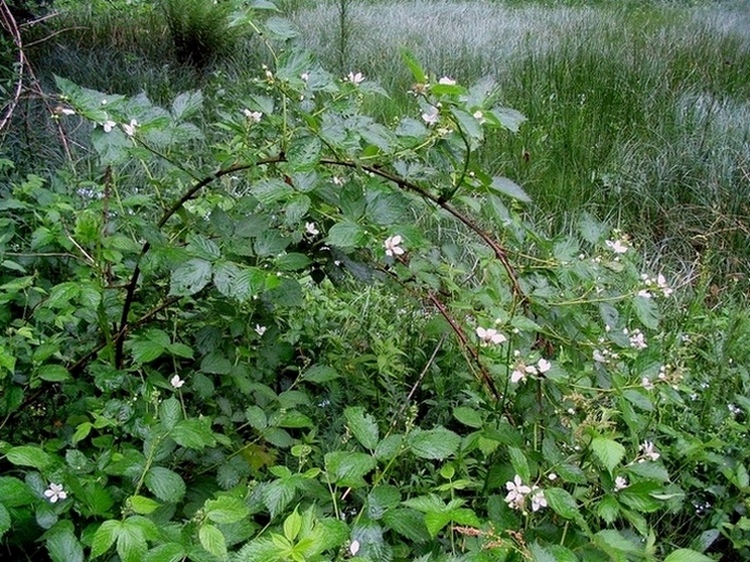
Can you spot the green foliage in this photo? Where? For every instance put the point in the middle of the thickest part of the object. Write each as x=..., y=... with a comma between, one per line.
x=274, y=327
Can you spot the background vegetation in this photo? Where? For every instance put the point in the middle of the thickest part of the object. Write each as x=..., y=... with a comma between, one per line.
x=637, y=130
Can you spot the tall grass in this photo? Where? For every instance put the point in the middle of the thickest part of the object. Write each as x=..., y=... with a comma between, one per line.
x=635, y=111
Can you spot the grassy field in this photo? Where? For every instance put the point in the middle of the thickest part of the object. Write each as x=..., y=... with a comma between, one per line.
x=636, y=111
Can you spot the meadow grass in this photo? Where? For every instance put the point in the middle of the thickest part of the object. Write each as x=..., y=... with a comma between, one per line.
x=636, y=111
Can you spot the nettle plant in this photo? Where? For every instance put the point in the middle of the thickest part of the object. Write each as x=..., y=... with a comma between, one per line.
x=185, y=374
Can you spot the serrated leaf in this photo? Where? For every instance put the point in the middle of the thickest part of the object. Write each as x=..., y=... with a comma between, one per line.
x=53, y=373
x=190, y=277
x=28, y=455
x=193, y=433
x=347, y=469
x=320, y=374
x=407, y=523
x=4, y=520
x=256, y=417
x=611, y=540
x=169, y=552
x=145, y=351
x=639, y=399
x=608, y=509
x=415, y=68
x=165, y=484
x=504, y=186
x=131, y=541
x=292, y=525
x=345, y=235
x=509, y=118
x=271, y=190
x=519, y=463
x=213, y=540
x=277, y=495
x=646, y=311
x=363, y=426
x=14, y=492
x=438, y=443
x=226, y=509
x=62, y=543
x=304, y=153
x=562, y=503
x=104, y=537
x=170, y=412
x=280, y=28
x=609, y=452
x=142, y=505
x=687, y=555
x=186, y=104
x=468, y=416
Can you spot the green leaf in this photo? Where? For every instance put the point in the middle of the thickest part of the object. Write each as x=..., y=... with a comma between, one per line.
x=408, y=523
x=62, y=543
x=609, y=452
x=14, y=492
x=292, y=525
x=226, y=509
x=646, y=311
x=142, y=505
x=562, y=503
x=434, y=521
x=414, y=66
x=363, y=427
x=347, y=469
x=169, y=552
x=105, y=537
x=186, y=104
x=4, y=520
x=170, y=412
x=190, y=277
x=145, y=351
x=28, y=455
x=276, y=495
x=53, y=373
x=612, y=542
x=541, y=554
x=256, y=417
x=687, y=555
x=304, y=152
x=519, y=463
x=193, y=433
x=504, y=186
x=320, y=374
x=508, y=118
x=237, y=282
x=213, y=540
x=345, y=235
x=438, y=443
x=131, y=541
x=165, y=484
x=468, y=416
x=272, y=190
x=202, y=247
x=608, y=509
x=639, y=399
x=280, y=28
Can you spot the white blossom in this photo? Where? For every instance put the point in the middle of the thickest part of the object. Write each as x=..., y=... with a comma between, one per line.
x=253, y=116
x=393, y=246
x=130, y=128
x=176, y=381
x=490, y=335
x=108, y=126
x=620, y=483
x=447, y=81
x=355, y=79
x=637, y=340
x=311, y=229
x=260, y=330
x=517, y=492
x=354, y=548
x=617, y=246
x=543, y=366
x=648, y=452
x=55, y=492
x=647, y=384
x=431, y=116
x=538, y=501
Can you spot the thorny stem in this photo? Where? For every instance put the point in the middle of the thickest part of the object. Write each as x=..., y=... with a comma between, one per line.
x=466, y=345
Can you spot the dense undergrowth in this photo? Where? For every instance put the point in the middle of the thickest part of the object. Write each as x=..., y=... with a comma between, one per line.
x=261, y=308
